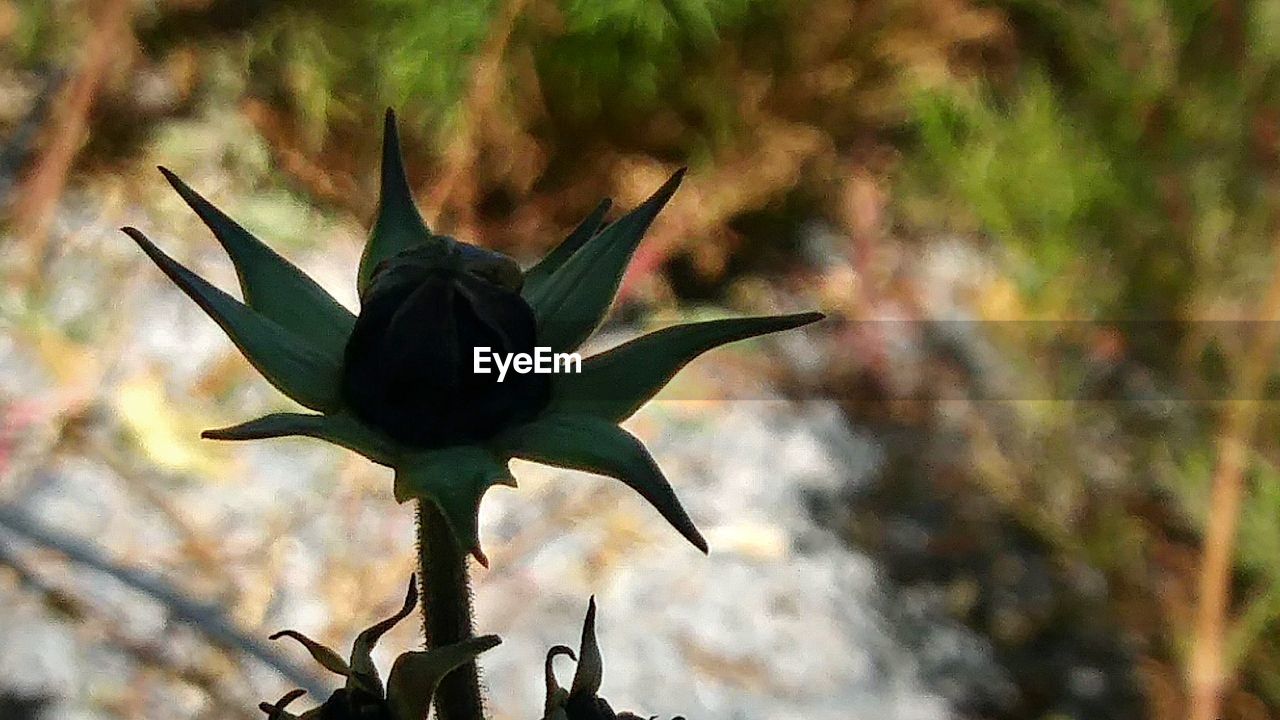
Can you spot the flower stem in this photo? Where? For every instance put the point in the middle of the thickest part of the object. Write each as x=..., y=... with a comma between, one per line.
x=446, y=611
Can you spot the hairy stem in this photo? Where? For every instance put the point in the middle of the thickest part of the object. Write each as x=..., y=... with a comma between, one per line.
x=446, y=611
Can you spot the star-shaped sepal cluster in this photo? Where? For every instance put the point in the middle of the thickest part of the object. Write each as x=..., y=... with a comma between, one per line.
x=409, y=689
x=313, y=350
x=582, y=700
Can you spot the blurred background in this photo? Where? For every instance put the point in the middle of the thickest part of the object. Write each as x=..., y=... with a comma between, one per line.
x=1027, y=469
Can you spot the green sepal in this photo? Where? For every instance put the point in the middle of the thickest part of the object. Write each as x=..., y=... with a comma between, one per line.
x=455, y=479
x=398, y=226
x=328, y=658
x=340, y=429
x=287, y=361
x=277, y=711
x=540, y=272
x=615, y=383
x=583, y=442
x=556, y=695
x=364, y=674
x=590, y=673
x=587, y=678
x=272, y=285
x=416, y=675
x=573, y=300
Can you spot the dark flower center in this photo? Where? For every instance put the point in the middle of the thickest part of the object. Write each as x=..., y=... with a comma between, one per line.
x=410, y=362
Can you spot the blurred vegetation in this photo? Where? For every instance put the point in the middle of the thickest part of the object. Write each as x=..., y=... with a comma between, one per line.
x=1146, y=142
x=1117, y=160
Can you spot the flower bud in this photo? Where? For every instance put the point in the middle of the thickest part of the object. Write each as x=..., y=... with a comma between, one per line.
x=409, y=368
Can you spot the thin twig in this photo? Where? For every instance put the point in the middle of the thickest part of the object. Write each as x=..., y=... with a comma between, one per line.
x=1207, y=671
x=205, y=618
x=19, y=147
x=323, y=178
x=43, y=187
x=68, y=605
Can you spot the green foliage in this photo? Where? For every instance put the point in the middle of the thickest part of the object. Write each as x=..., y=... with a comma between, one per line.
x=36, y=34
x=1129, y=150
x=1033, y=181
x=331, y=61
x=614, y=58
